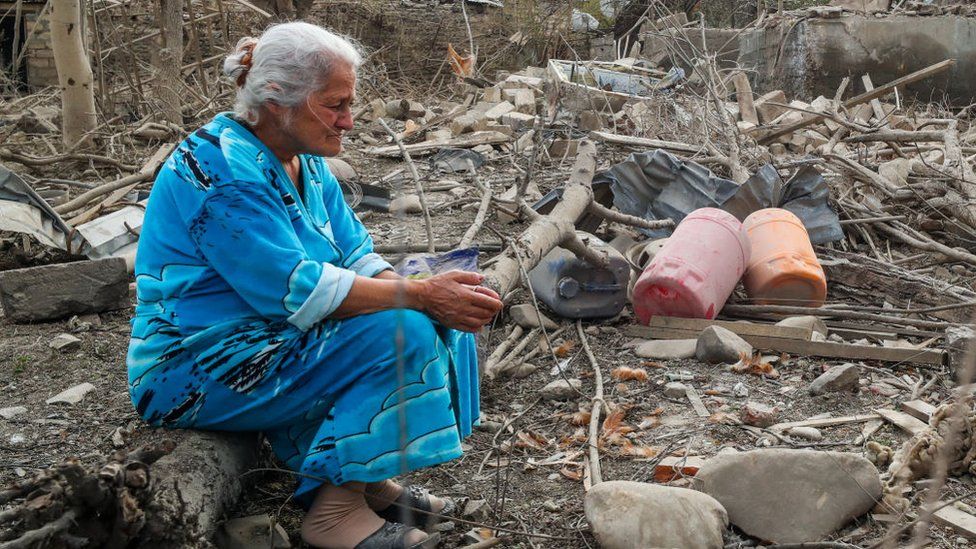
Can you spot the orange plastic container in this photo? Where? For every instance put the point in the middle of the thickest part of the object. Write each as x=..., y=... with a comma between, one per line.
x=783, y=268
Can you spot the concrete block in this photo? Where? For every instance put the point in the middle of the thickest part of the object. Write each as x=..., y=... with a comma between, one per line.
x=500, y=128
x=523, y=99
x=564, y=147
x=525, y=80
x=57, y=291
x=468, y=123
x=496, y=112
x=492, y=95
x=767, y=112
x=518, y=121
x=590, y=121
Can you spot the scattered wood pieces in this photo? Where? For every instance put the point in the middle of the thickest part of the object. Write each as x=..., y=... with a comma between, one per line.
x=919, y=409
x=825, y=422
x=903, y=421
x=465, y=141
x=960, y=521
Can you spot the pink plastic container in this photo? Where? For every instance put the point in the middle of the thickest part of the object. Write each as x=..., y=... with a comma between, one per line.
x=696, y=270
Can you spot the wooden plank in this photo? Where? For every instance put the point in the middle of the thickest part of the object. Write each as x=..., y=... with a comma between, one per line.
x=743, y=94
x=463, y=141
x=869, y=429
x=799, y=347
x=696, y=402
x=882, y=91
x=960, y=521
x=741, y=328
x=918, y=409
x=902, y=420
x=646, y=143
x=825, y=422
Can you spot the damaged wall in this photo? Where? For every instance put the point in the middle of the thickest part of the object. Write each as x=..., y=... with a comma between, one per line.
x=819, y=53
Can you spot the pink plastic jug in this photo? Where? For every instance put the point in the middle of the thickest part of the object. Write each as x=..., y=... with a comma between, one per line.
x=695, y=272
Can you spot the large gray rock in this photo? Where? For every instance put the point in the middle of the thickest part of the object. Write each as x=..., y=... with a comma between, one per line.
x=838, y=378
x=635, y=515
x=717, y=344
x=64, y=289
x=561, y=389
x=959, y=341
x=791, y=496
x=667, y=349
x=526, y=316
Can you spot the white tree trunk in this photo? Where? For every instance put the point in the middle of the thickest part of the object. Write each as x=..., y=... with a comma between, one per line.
x=74, y=72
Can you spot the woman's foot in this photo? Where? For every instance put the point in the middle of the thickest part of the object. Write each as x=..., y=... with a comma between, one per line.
x=412, y=506
x=339, y=518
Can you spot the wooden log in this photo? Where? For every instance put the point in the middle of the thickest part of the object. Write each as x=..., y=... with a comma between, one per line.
x=674, y=146
x=882, y=91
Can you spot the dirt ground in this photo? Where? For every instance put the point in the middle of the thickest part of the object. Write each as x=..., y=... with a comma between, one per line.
x=544, y=500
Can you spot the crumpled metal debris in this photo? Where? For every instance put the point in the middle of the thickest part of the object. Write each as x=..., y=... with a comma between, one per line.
x=658, y=185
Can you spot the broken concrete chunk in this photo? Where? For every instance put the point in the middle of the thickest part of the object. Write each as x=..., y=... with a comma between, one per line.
x=667, y=349
x=73, y=395
x=477, y=510
x=65, y=343
x=397, y=109
x=408, y=204
x=415, y=110
x=518, y=121
x=836, y=379
x=807, y=322
x=496, y=112
x=524, y=101
x=561, y=389
x=492, y=95
x=564, y=148
x=791, y=496
x=468, y=123
x=590, y=121
x=525, y=80
x=253, y=531
x=64, y=289
x=525, y=316
x=634, y=515
x=766, y=110
x=758, y=415
x=12, y=412
x=717, y=344
x=959, y=340
x=675, y=390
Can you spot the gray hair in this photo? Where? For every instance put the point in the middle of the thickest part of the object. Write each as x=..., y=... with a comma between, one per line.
x=288, y=62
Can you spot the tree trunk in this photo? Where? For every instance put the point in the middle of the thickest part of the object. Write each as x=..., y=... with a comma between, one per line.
x=168, y=61
x=74, y=72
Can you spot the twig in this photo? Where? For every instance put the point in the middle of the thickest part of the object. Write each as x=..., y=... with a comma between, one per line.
x=597, y=402
x=479, y=218
x=624, y=219
x=428, y=227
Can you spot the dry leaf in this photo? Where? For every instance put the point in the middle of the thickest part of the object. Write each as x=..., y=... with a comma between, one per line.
x=572, y=474
x=657, y=412
x=638, y=451
x=652, y=364
x=580, y=418
x=724, y=417
x=563, y=350
x=712, y=392
x=754, y=365
x=649, y=422
x=614, y=421
x=462, y=66
x=528, y=439
x=625, y=373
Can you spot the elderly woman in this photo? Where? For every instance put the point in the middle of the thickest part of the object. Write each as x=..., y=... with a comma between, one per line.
x=261, y=305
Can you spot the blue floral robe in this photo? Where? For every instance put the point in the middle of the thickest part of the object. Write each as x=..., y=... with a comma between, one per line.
x=236, y=277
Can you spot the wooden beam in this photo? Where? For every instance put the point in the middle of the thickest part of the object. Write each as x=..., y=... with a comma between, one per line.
x=646, y=143
x=960, y=521
x=825, y=422
x=919, y=409
x=903, y=421
x=743, y=94
x=741, y=328
x=882, y=91
x=462, y=141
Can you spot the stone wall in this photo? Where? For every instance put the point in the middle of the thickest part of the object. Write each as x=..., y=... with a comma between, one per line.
x=39, y=57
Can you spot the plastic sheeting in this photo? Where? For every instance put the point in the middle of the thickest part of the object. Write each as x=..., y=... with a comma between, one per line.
x=428, y=265
x=658, y=185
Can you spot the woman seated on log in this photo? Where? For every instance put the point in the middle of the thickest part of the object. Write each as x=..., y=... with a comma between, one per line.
x=261, y=305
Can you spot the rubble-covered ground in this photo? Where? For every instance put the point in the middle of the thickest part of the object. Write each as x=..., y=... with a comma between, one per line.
x=526, y=469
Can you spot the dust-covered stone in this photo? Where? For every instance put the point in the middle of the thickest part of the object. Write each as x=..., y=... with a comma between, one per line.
x=57, y=291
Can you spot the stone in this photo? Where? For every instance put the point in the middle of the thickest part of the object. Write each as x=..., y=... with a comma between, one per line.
x=837, y=378
x=717, y=344
x=791, y=496
x=518, y=121
x=477, y=510
x=740, y=390
x=564, y=148
x=525, y=316
x=416, y=110
x=341, y=169
x=529, y=81
x=500, y=128
x=12, y=412
x=561, y=389
x=667, y=349
x=408, y=204
x=73, y=395
x=397, y=109
x=766, y=110
x=468, y=123
x=675, y=390
x=806, y=433
x=64, y=289
x=590, y=121
x=959, y=341
x=809, y=322
x=496, y=112
x=636, y=515
x=758, y=415
x=65, y=343
x=492, y=95
x=252, y=531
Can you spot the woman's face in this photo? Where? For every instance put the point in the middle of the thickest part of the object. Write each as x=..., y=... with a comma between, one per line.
x=317, y=124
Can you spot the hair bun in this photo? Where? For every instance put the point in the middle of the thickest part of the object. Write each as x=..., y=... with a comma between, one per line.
x=237, y=64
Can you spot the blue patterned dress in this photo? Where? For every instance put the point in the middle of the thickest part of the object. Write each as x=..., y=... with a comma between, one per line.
x=236, y=277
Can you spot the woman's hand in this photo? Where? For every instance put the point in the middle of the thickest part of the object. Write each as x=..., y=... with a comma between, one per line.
x=457, y=301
